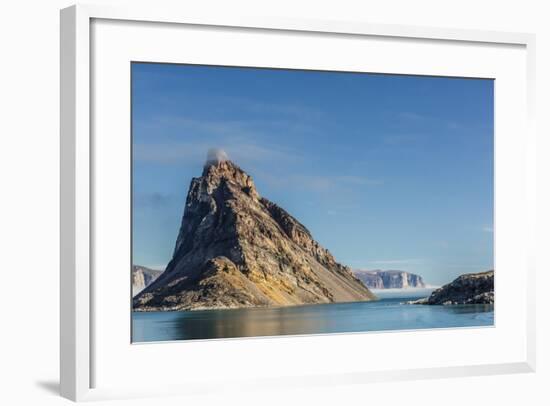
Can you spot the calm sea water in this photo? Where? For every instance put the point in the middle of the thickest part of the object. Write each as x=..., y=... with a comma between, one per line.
x=388, y=313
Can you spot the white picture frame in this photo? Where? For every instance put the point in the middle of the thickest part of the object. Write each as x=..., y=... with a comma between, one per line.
x=78, y=353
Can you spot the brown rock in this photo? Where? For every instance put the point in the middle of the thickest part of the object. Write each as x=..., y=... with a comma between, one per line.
x=237, y=249
x=471, y=288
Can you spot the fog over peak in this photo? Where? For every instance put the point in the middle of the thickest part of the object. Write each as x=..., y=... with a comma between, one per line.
x=215, y=156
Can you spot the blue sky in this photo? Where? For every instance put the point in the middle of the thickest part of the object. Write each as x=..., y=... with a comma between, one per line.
x=386, y=171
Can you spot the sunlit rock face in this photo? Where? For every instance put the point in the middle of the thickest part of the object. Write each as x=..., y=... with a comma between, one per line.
x=142, y=277
x=238, y=249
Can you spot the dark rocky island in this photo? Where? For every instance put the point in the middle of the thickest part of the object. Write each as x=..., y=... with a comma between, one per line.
x=142, y=277
x=473, y=288
x=237, y=249
x=378, y=279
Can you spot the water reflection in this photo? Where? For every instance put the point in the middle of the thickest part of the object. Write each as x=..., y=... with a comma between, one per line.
x=385, y=314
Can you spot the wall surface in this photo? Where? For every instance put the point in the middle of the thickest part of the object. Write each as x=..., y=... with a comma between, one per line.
x=29, y=213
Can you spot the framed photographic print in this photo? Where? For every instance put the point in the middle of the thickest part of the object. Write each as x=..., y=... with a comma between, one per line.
x=350, y=155
x=276, y=196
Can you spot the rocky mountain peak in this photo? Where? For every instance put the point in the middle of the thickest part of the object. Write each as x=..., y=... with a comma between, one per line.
x=237, y=249
x=218, y=168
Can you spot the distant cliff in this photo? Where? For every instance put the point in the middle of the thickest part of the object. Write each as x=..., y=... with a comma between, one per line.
x=378, y=279
x=472, y=288
x=142, y=277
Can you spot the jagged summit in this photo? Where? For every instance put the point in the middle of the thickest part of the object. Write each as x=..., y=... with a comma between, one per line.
x=217, y=169
x=237, y=249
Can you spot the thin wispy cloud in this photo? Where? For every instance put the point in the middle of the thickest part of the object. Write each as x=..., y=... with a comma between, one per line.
x=339, y=209
x=288, y=117
x=369, y=264
x=240, y=151
x=413, y=118
x=166, y=124
x=246, y=141
x=403, y=139
x=290, y=109
x=442, y=244
x=476, y=267
x=396, y=261
x=166, y=129
x=318, y=183
x=154, y=200
x=327, y=183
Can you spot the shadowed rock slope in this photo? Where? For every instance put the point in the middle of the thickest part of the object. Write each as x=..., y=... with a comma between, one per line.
x=237, y=249
x=472, y=288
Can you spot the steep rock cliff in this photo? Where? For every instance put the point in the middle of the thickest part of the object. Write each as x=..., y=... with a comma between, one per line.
x=142, y=277
x=378, y=279
x=237, y=249
x=472, y=288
